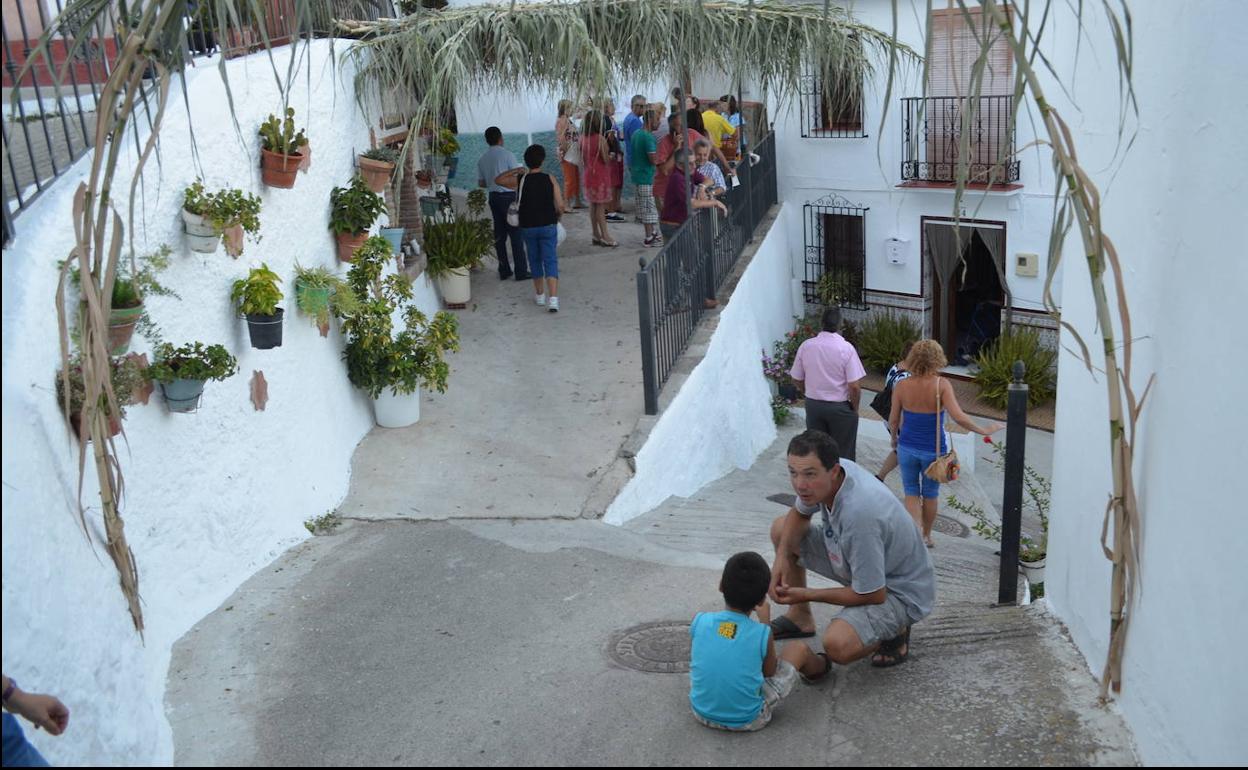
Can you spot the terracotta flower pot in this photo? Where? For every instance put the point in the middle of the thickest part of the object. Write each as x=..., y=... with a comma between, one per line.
x=277, y=170
x=233, y=237
x=348, y=243
x=75, y=421
x=376, y=173
x=121, y=322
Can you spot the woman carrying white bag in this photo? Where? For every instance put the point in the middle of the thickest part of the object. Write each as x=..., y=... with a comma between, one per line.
x=539, y=204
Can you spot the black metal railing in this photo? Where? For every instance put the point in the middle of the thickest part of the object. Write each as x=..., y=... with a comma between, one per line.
x=935, y=130
x=53, y=120
x=672, y=288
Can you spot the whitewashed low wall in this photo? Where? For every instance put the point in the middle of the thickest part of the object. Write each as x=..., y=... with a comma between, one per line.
x=210, y=497
x=721, y=418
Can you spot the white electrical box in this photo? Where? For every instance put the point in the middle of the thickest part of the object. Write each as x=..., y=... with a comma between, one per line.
x=1027, y=264
x=896, y=249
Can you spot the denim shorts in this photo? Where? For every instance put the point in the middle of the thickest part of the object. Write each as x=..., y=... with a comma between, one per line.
x=912, y=463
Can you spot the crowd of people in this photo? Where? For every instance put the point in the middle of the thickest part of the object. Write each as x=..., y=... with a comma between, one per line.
x=648, y=148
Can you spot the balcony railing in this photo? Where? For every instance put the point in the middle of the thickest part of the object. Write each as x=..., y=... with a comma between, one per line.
x=944, y=136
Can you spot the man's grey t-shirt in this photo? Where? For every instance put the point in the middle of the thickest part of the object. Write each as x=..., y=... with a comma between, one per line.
x=495, y=161
x=873, y=543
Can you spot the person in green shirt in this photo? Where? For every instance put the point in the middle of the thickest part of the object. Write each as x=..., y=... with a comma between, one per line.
x=642, y=158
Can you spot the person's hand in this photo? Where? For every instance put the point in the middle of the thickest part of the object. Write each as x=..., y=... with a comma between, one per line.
x=779, y=576
x=792, y=595
x=991, y=428
x=763, y=611
x=44, y=711
x=893, y=438
x=720, y=205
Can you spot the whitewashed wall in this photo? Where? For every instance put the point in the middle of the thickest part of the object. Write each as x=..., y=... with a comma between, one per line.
x=211, y=497
x=1174, y=211
x=721, y=418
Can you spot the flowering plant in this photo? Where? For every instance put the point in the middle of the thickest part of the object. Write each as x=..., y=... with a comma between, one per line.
x=776, y=366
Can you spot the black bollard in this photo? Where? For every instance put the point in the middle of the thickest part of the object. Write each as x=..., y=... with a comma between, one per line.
x=1012, y=500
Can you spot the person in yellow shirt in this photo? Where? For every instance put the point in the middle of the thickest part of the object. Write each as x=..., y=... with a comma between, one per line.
x=717, y=127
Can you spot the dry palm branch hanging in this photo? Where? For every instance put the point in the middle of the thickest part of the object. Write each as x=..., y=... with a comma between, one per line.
x=593, y=47
x=151, y=52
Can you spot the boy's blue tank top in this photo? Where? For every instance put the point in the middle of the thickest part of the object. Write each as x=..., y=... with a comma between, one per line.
x=726, y=667
x=918, y=431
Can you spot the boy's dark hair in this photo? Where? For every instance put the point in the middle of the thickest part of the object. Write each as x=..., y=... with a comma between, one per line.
x=745, y=581
x=818, y=443
x=493, y=136
x=534, y=156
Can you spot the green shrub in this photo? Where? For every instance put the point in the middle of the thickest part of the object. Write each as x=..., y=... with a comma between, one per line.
x=192, y=361
x=882, y=338
x=996, y=368
x=258, y=293
x=354, y=209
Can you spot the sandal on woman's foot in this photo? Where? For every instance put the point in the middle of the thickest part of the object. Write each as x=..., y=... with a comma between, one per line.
x=889, y=654
x=609, y=244
x=929, y=542
x=599, y=242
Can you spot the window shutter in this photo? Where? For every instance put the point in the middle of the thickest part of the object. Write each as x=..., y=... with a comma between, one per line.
x=954, y=39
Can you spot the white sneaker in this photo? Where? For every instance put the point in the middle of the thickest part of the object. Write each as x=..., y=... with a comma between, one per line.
x=552, y=304
x=540, y=299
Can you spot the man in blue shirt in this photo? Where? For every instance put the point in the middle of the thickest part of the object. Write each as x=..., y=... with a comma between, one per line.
x=631, y=124
x=498, y=160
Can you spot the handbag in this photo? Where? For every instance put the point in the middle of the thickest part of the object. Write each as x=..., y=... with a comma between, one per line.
x=945, y=467
x=573, y=153
x=561, y=232
x=883, y=402
x=513, y=211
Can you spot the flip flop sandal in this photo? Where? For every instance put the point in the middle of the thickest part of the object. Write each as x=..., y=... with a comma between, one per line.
x=783, y=628
x=890, y=650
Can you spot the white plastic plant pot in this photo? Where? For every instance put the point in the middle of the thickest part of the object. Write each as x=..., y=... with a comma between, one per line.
x=456, y=286
x=1032, y=570
x=201, y=236
x=399, y=411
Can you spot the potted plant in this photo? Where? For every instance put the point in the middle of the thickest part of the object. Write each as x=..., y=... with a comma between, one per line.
x=234, y=213
x=352, y=211
x=377, y=165
x=392, y=367
x=126, y=376
x=257, y=296
x=446, y=147
x=452, y=248
x=320, y=293
x=126, y=308
x=201, y=234
x=181, y=372
x=281, y=150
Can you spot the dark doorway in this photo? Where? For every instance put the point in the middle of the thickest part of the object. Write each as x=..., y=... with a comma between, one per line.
x=973, y=302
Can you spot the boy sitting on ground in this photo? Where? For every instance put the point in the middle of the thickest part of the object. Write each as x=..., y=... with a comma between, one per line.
x=735, y=677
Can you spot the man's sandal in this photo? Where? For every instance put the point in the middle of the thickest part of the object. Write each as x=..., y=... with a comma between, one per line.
x=782, y=628
x=889, y=654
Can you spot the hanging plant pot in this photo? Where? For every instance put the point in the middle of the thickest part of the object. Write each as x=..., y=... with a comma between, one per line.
x=312, y=301
x=75, y=421
x=233, y=237
x=399, y=411
x=376, y=173
x=121, y=322
x=395, y=236
x=201, y=236
x=348, y=243
x=456, y=286
x=182, y=395
x=278, y=170
x=265, y=330
x=1033, y=570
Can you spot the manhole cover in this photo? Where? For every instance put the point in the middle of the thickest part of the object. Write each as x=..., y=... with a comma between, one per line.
x=949, y=526
x=783, y=499
x=657, y=648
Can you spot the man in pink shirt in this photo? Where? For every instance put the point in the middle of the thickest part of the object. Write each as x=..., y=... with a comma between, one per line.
x=827, y=369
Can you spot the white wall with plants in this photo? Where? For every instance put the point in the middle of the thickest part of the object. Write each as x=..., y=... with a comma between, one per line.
x=210, y=496
x=721, y=419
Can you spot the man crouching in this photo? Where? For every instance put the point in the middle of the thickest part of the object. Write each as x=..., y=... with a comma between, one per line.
x=863, y=539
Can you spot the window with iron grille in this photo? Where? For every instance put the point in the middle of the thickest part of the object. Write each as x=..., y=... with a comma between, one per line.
x=836, y=265
x=836, y=114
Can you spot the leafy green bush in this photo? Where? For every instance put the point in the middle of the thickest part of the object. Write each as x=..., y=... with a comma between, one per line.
x=354, y=209
x=882, y=338
x=192, y=361
x=996, y=368
x=258, y=293
x=458, y=243
x=126, y=377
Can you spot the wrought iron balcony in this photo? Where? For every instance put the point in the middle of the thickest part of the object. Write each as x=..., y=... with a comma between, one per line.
x=934, y=130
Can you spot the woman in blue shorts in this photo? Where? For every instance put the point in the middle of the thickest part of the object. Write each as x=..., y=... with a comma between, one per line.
x=915, y=424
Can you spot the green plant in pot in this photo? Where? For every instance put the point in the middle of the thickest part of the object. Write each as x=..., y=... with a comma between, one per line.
x=197, y=208
x=883, y=337
x=353, y=210
x=257, y=296
x=127, y=378
x=996, y=368
x=234, y=213
x=452, y=248
x=319, y=293
x=446, y=147
x=136, y=279
x=281, y=150
x=376, y=166
x=182, y=371
x=840, y=286
x=477, y=202
x=392, y=366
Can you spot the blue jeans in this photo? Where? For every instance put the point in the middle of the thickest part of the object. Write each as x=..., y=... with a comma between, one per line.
x=912, y=463
x=17, y=750
x=499, y=202
x=540, y=244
